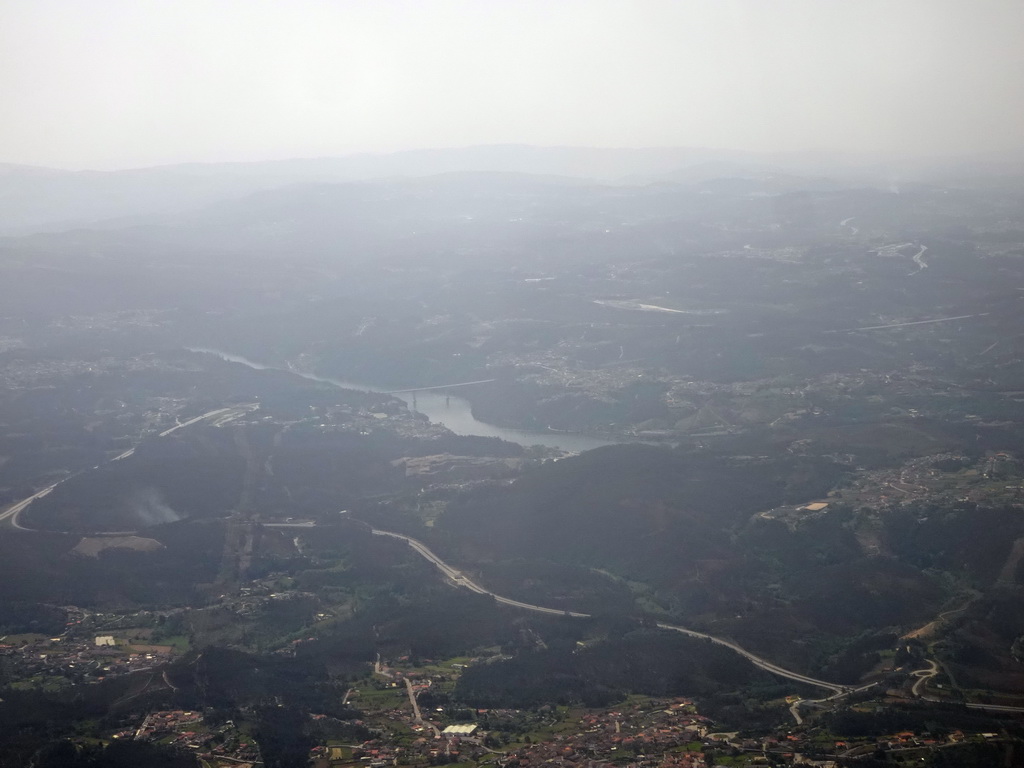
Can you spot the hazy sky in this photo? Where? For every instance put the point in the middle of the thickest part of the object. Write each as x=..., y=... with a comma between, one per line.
x=119, y=83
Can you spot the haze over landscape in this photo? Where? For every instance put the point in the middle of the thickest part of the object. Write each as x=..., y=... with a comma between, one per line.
x=117, y=84
x=509, y=385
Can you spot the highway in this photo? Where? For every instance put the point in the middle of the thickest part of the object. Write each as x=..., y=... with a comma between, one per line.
x=240, y=410
x=760, y=662
x=460, y=579
x=228, y=411
x=991, y=707
x=795, y=707
x=10, y=515
x=914, y=322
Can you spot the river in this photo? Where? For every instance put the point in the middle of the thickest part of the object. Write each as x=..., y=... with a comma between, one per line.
x=453, y=412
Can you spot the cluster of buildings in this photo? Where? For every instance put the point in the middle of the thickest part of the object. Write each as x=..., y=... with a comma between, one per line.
x=34, y=370
x=80, y=660
x=669, y=736
x=382, y=752
x=390, y=416
x=642, y=733
x=218, y=746
x=996, y=477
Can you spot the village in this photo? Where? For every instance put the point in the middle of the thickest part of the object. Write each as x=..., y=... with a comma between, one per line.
x=49, y=663
x=219, y=745
x=405, y=713
x=994, y=478
x=640, y=732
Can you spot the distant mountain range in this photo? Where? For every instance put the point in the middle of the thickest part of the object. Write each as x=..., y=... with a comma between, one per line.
x=34, y=199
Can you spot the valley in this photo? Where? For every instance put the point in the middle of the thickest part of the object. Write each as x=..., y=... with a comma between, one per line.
x=683, y=465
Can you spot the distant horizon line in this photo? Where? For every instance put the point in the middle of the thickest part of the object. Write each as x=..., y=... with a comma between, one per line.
x=835, y=154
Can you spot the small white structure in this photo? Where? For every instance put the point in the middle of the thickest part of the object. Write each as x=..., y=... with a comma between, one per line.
x=460, y=730
x=102, y=640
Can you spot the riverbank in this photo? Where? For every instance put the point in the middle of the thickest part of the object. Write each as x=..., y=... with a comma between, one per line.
x=441, y=407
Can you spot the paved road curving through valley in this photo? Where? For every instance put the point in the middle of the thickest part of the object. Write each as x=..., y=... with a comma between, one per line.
x=10, y=515
x=460, y=579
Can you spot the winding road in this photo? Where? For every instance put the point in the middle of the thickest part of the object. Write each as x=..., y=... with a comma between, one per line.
x=919, y=690
x=923, y=676
x=460, y=579
x=10, y=515
x=921, y=263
